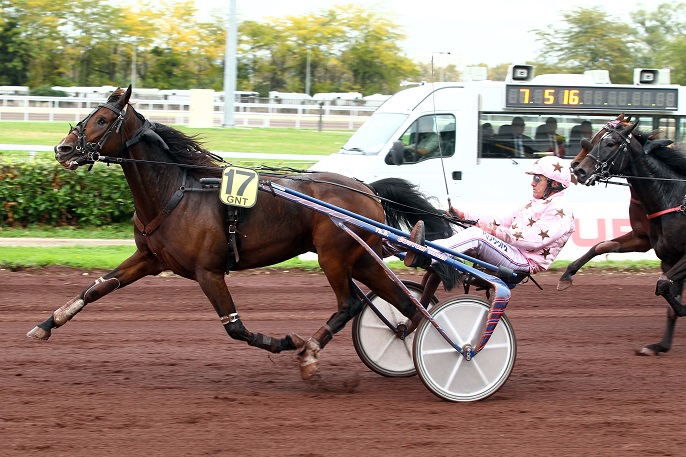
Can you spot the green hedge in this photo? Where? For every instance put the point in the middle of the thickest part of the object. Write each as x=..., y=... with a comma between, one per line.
x=42, y=192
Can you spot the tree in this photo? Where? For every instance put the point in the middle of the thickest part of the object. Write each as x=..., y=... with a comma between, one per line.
x=662, y=35
x=350, y=49
x=14, y=54
x=589, y=40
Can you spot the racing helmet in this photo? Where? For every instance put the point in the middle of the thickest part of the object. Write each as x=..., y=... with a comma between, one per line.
x=552, y=168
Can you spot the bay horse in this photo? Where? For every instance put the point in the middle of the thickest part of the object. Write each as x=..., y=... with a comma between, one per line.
x=636, y=240
x=656, y=173
x=182, y=227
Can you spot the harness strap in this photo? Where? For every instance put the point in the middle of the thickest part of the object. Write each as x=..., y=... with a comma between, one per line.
x=146, y=230
x=667, y=211
x=681, y=209
x=232, y=217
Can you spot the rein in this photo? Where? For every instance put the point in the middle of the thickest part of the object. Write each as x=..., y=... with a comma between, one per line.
x=92, y=153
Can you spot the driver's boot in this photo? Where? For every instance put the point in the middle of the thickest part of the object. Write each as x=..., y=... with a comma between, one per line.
x=413, y=259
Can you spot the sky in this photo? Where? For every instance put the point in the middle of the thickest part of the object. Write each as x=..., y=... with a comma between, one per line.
x=473, y=32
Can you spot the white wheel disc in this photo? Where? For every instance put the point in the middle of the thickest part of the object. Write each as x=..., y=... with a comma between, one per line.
x=444, y=371
x=377, y=345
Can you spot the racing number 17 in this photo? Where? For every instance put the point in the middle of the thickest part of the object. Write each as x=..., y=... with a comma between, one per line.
x=239, y=187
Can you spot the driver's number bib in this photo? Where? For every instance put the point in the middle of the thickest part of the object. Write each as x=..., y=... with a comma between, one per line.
x=239, y=187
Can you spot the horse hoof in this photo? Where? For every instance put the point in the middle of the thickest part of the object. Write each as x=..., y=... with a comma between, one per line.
x=307, y=370
x=646, y=351
x=298, y=342
x=563, y=284
x=39, y=334
x=309, y=359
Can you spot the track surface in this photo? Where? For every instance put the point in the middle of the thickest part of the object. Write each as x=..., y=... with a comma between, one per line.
x=148, y=370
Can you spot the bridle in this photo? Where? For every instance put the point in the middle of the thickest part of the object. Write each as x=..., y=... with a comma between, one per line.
x=91, y=150
x=602, y=167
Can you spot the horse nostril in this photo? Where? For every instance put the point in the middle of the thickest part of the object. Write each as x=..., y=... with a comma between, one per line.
x=62, y=149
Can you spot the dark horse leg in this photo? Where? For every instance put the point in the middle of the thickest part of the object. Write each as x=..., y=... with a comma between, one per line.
x=140, y=264
x=629, y=242
x=667, y=286
x=214, y=286
x=666, y=343
x=366, y=270
x=672, y=291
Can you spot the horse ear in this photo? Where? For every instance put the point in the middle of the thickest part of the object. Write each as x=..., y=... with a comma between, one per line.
x=631, y=128
x=586, y=144
x=127, y=95
x=655, y=144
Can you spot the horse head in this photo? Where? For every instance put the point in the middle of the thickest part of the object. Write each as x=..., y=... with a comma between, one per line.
x=608, y=156
x=92, y=136
x=587, y=145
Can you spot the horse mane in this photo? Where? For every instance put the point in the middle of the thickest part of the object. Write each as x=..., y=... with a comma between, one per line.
x=672, y=155
x=416, y=206
x=187, y=150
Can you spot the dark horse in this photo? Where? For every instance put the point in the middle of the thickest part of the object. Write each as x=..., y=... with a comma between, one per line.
x=636, y=240
x=180, y=227
x=656, y=173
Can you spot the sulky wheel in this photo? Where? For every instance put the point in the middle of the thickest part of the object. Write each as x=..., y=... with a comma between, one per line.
x=444, y=371
x=377, y=345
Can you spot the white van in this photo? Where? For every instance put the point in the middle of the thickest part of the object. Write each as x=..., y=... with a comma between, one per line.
x=478, y=162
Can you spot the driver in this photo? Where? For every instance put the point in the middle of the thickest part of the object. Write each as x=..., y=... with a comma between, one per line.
x=527, y=239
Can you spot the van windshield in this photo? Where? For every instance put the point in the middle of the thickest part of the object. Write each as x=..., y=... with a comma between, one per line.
x=374, y=134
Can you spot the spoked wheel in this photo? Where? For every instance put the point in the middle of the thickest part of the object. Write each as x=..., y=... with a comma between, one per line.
x=377, y=345
x=444, y=371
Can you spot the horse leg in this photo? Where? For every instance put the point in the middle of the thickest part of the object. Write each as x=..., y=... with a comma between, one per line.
x=669, y=286
x=140, y=264
x=349, y=305
x=369, y=272
x=666, y=343
x=214, y=287
x=629, y=242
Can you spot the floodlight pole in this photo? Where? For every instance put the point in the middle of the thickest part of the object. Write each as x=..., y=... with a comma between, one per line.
x=307, y=72
x=230, y=67
x=133, y=65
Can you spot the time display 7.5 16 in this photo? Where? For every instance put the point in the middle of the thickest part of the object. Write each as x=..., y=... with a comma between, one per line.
x=612, y=98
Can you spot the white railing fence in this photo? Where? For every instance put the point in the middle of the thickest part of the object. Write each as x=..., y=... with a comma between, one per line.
x=252, y=112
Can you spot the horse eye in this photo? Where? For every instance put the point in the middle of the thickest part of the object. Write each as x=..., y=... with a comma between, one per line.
x=101, y=121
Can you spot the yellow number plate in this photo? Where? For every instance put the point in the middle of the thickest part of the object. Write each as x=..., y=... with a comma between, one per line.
x=239, y=187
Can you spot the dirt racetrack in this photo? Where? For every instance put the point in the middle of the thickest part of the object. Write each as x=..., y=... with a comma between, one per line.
x=149, y=370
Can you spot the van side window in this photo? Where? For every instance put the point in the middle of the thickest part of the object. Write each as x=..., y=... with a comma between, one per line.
x=429, y=137
x=513, y=135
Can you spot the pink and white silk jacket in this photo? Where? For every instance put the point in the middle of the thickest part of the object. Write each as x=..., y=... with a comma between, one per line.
x=538, y=229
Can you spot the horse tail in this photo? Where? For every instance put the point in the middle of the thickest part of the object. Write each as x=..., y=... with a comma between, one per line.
x=404, y=205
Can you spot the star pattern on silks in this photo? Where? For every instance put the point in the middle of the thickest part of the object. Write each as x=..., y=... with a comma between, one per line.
x=558, y=166
x=495, y=224
x=545, y=253
x=544, y=234
x=560, y=212
x=518, y=235
x=513, y=226
x=528, y=205
x=531, y=222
